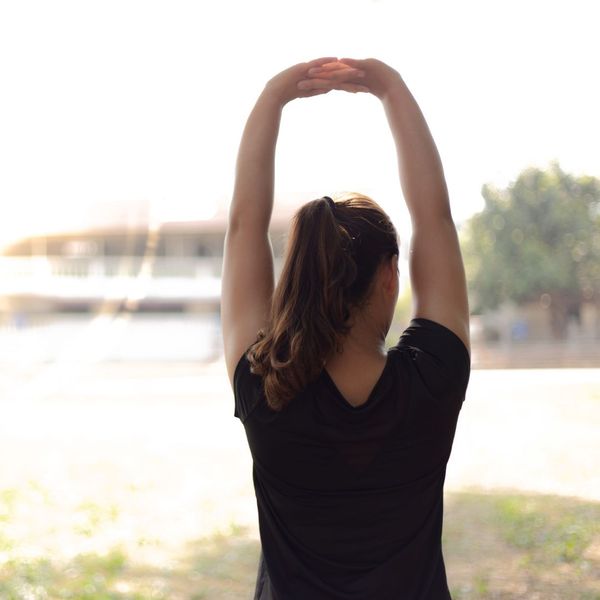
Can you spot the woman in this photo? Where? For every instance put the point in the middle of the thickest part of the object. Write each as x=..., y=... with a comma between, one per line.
x=349, y=442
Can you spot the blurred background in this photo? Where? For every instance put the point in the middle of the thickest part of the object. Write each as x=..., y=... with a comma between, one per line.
x=123, y=473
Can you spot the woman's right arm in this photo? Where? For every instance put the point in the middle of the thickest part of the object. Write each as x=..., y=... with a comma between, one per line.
x=436, y=266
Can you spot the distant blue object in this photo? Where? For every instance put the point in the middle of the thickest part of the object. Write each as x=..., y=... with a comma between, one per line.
x=519, y=330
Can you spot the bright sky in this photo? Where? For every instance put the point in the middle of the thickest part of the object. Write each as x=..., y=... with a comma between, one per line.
x=109, y=107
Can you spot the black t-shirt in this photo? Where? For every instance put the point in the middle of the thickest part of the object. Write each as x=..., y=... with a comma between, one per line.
x=350, y=499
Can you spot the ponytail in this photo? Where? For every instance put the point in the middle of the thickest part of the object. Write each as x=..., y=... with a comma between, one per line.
x=333, y=251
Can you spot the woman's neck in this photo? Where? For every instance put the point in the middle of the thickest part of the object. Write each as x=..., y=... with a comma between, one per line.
x=365, y=341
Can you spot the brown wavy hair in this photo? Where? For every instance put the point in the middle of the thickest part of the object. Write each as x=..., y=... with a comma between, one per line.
x=333, y=251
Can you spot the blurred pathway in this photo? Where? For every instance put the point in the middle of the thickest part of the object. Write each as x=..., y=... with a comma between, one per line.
x=530, y=429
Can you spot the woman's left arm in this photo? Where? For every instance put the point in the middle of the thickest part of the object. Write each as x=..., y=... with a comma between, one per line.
x=248, y=275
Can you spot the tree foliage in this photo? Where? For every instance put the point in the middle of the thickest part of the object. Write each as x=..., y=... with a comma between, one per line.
x=538, y=239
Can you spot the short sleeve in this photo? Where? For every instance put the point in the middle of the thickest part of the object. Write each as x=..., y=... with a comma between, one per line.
x=439, y=356
x=246, y=389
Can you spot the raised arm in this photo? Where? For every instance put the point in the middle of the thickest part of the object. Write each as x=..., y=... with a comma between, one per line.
x=436, y=266
x=248, y=276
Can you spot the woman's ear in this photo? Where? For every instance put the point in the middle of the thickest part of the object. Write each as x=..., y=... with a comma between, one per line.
x=390, y=273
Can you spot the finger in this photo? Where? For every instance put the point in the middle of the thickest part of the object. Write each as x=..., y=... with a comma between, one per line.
x=321, y=61
x=331, y=66
x=352, y=62
x=334, y=64
x=314, y=83
x=318, y=92
x=337, y=74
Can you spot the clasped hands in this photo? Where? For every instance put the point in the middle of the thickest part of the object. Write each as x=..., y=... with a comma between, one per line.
x=332, y=75
x=323, y=75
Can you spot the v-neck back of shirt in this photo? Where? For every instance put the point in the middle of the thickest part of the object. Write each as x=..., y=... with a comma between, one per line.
x=370, y=397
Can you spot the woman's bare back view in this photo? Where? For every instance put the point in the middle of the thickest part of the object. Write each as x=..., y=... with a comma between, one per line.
x=349, y=440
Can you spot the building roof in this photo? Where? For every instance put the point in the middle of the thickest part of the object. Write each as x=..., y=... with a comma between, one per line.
x=280, y=222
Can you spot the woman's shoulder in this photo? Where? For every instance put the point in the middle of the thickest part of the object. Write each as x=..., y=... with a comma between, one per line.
x=438, y=357
x=431, y=337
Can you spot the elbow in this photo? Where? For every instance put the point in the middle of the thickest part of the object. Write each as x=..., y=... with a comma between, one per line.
x=439, y=214
x=247, y=223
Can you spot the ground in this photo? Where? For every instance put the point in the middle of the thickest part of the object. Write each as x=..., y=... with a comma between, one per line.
x=133, y=480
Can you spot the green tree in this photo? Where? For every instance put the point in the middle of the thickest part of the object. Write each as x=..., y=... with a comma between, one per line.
x=536, y=240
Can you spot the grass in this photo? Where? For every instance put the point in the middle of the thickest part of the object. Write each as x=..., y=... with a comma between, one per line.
x=93, y=515
x=497, y=546
x=220, y=566
x=549, y=531
x=522, y=546
x=85, y=577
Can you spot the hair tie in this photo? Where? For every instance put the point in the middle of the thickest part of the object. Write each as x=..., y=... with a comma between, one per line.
x=331, y=203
